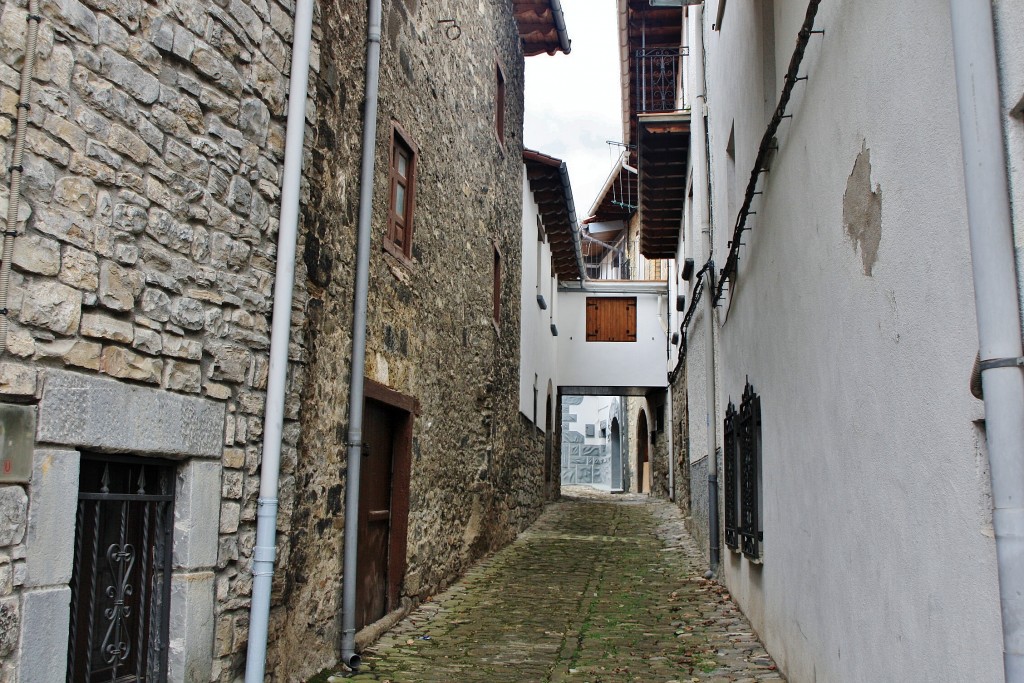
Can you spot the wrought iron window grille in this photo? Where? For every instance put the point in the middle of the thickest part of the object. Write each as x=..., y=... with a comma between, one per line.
x=742, y=467
x=121, y=580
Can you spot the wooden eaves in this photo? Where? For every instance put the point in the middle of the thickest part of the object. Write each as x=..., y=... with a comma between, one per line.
x=549, y=182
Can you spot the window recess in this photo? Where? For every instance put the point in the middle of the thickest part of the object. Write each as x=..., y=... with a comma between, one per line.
x=611, y=319
x=402, y=194
x=121, y=577
x=743, y=507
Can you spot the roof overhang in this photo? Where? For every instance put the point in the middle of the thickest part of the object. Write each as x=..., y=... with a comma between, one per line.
x=541, y=26
x=664, y=148
x=549, y=182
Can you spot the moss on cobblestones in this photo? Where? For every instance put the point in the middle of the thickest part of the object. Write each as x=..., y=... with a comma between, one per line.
x=599, y=589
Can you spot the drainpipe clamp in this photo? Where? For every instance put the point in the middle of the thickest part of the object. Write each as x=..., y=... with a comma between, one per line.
x=993, y=363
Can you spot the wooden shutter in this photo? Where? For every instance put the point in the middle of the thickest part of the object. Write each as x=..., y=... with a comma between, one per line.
x=611, y=319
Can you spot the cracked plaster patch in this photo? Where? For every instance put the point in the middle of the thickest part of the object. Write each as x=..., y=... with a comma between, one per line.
x=862, y=210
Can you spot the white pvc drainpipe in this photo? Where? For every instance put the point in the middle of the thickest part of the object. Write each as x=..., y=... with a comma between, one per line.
x=17, y=158
x=284, y=280
x=997, y=303
x=711, y=401
x=355, y=396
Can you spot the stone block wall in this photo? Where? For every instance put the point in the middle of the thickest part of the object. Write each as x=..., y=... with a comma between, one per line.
x=678, y=413
x=477, y=466
x=147, y=251
x=148, y=246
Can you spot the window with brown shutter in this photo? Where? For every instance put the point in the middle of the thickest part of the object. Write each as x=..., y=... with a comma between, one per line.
x=401, y=200
x=611, y=319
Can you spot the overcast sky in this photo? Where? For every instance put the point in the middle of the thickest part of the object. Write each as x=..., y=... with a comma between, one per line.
x=573, y=102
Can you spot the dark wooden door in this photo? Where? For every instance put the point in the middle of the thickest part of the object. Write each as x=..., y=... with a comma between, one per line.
x=375, y=513
x=548, y=430
x=643, y=463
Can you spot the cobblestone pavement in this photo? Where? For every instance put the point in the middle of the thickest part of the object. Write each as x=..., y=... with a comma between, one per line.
x=601, y=588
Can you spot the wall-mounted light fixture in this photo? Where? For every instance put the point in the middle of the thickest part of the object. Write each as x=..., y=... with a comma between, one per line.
x=687, y=269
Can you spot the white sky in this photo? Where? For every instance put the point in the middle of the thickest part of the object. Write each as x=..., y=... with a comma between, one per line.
x=573, y=101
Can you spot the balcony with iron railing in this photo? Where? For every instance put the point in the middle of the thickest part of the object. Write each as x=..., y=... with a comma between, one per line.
x=659, y=79
x=618, y=266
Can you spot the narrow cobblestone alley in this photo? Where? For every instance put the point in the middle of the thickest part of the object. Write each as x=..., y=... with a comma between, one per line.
x=600, y=588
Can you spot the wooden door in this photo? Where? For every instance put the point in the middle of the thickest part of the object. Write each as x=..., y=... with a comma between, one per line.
x=548, y=432
x=643, y=465
x=375, y=512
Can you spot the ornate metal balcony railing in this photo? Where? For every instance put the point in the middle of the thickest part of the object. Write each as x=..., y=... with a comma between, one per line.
x=659, y=79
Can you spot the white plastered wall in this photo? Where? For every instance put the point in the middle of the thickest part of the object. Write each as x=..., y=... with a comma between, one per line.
x=537, y=343
x=611, y=364
x=878, y=558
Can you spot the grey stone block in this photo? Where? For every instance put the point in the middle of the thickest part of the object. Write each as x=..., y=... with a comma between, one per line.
x=10, y=625
x=45, y=614
x=196, y=512
x=96, y=412
x=51, y=518
x=192, y=628
x=13, y=507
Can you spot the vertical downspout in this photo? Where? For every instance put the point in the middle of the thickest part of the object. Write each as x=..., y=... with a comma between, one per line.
x=358, y=368
x=668, y=392
x=671, y=448
x=284, y=280
x=996, y=299
x=709, y=310
x=17, y=157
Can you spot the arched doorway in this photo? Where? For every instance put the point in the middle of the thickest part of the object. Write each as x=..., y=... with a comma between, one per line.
x=643, y=464
x=616, y=456
x=549, y=420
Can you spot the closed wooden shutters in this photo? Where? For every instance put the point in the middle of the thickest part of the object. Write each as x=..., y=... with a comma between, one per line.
x=611, y=319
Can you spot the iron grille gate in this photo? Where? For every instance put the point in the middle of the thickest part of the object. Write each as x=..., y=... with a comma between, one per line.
x=743, y=475
x=121, y=582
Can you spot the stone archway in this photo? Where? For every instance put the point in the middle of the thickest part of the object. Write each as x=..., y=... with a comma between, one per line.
x=643, y=461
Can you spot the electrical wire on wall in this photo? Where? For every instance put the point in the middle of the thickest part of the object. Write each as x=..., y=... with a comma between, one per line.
x=767, y=146
x=706, y=271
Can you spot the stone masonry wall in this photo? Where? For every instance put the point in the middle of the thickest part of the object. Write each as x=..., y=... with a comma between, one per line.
x=677, y=412
x=477, y=466
x=147, y=254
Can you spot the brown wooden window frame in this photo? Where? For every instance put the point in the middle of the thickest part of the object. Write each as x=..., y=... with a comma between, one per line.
x=496, y=292
x=602, y=323
x=499, y=103
x=398, y=240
